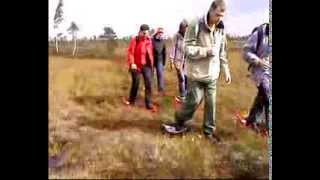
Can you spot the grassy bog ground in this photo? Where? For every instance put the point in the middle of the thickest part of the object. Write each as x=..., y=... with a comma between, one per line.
x=93, y=135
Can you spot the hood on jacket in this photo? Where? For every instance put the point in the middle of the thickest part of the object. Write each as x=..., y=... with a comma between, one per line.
x=205, y=19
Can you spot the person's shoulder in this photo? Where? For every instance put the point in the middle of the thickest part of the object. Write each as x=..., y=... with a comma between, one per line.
x=252, y=38
x=194, y=21
x=132, y=38
x=193, y=28
x=254, y=33
x=149, y=40
x=263, y=28
x=175, y=35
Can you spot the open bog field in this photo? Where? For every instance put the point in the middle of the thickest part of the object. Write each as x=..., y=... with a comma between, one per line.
x=93, y=135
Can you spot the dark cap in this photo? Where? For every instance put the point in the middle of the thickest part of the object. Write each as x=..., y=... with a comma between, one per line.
x=144, y=27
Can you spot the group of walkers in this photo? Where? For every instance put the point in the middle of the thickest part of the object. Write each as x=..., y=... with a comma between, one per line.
x=199, y=54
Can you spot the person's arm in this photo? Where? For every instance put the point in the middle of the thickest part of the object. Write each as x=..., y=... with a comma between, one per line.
x=192, y=49
x=130, y=52
x=173, y=51
x=249, y=50
x=172, y=54
x=224, y=63
x=150, y=52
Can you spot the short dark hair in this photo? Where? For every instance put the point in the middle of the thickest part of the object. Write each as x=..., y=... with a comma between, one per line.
x=144, y=27
x=218, y=3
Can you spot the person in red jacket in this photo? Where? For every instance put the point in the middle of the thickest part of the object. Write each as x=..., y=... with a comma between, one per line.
x=140, y=61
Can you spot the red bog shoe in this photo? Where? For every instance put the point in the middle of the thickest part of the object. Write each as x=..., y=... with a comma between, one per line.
x=241, y=120
x=245, y=124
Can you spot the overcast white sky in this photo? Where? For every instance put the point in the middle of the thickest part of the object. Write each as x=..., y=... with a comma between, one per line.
x=125, y=16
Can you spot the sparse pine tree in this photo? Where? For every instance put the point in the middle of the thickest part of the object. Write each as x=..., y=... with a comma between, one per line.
x=73, y=29
x=109, y=33
x=58, y=18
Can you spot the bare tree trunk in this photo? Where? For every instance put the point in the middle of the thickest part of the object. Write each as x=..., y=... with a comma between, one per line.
x=57, y=48
x=74, y=46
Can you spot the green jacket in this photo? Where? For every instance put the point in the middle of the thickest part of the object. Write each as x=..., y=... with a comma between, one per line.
x=198, y=40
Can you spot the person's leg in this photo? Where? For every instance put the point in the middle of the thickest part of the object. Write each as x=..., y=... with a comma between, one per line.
x=159, y=68
x=181, y=83
x=266, y=88
x=257, y=107
x=184, y=72
x=191, y=103
x=209, y=124
x=185, y=83
x=134, y=87
x=147, y=76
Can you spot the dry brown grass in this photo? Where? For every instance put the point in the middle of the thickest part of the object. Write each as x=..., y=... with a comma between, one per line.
x=93, y=135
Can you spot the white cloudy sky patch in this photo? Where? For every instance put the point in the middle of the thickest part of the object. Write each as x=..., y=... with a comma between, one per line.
x=125, y=16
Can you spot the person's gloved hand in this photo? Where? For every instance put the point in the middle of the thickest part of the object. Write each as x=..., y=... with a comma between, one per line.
x=227, y=77
x=133, y=67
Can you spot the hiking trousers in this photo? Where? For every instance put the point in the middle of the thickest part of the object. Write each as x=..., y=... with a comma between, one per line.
x=160, y=75
x=198, y=91
x=146, y=71
x=261, y=103
x=182, y=82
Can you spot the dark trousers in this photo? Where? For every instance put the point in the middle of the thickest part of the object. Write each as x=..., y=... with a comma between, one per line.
x=160, y=76
x=260, y=105
x=182, y=82
x=146, y=71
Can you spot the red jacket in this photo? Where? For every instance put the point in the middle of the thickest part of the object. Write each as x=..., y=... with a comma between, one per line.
x=139, y=50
